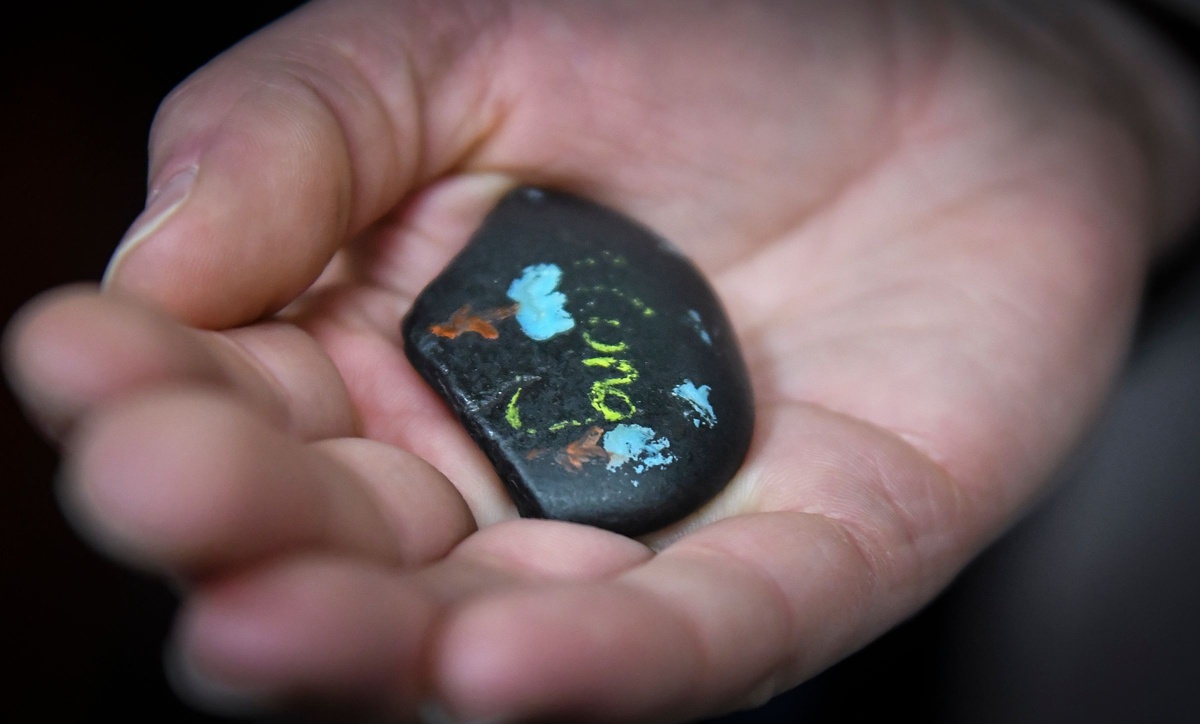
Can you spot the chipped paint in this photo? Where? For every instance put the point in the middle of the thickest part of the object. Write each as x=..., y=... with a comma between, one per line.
x=697, y=397
x=463, y=321
x=637, y=444
x=511, y=413
x=579, y=452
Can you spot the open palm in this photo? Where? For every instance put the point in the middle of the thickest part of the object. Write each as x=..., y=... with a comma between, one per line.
x=929, y=226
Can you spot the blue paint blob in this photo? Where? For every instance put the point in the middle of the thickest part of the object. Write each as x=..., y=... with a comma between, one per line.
x=539, y=307
x=636, y=443
x=697, y=397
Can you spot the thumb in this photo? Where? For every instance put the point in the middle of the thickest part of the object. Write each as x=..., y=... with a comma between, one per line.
x=270, y=157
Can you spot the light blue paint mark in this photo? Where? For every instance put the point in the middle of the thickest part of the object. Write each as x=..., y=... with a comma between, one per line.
x=636, y=482
x=539, y=307
x=697, y=397
x=698, y=325
x=636, y=443
x=655, y=460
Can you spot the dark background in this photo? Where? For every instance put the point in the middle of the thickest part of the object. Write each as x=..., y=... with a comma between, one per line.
x=1085, y=612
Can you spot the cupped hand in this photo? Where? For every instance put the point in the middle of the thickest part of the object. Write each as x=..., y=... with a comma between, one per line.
x=929, y=223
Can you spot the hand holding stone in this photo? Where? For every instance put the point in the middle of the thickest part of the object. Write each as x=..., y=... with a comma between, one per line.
x=929, y=226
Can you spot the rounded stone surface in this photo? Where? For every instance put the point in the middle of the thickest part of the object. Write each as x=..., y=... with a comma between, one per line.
x=591, y=362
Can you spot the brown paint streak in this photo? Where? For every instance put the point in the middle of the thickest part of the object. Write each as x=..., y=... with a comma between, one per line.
x=462, y=321
x=583, y=450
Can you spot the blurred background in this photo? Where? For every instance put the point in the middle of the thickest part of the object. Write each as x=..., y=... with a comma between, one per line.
x=1086, y=611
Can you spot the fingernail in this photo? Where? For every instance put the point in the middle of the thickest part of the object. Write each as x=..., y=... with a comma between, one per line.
x=161, y=205
x=487, y=185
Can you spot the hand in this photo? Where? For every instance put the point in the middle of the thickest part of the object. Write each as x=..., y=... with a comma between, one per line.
x=929, y=225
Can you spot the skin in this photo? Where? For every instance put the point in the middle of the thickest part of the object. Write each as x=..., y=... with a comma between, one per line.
x=930, y=223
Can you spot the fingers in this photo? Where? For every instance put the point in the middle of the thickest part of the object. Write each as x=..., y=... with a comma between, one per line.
x=349, y=629
x=426, y=515
x=189, y=481
x=694, y=630
x=341, y=629
x=267, y=160
x=691, y=631
x=542, y=620
x=165, y=470
x=73, y=350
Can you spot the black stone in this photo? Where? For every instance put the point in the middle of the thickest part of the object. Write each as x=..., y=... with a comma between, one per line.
x=575, y=346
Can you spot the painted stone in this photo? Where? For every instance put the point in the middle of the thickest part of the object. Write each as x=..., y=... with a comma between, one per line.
x=591, y=362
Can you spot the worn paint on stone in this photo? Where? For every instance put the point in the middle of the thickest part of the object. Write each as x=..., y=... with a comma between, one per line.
x=572, y=344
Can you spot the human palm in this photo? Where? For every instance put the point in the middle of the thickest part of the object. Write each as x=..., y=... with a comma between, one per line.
x=929, y=227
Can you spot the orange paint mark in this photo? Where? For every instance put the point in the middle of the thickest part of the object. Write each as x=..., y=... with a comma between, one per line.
x=462, y=321
x=583, y=450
